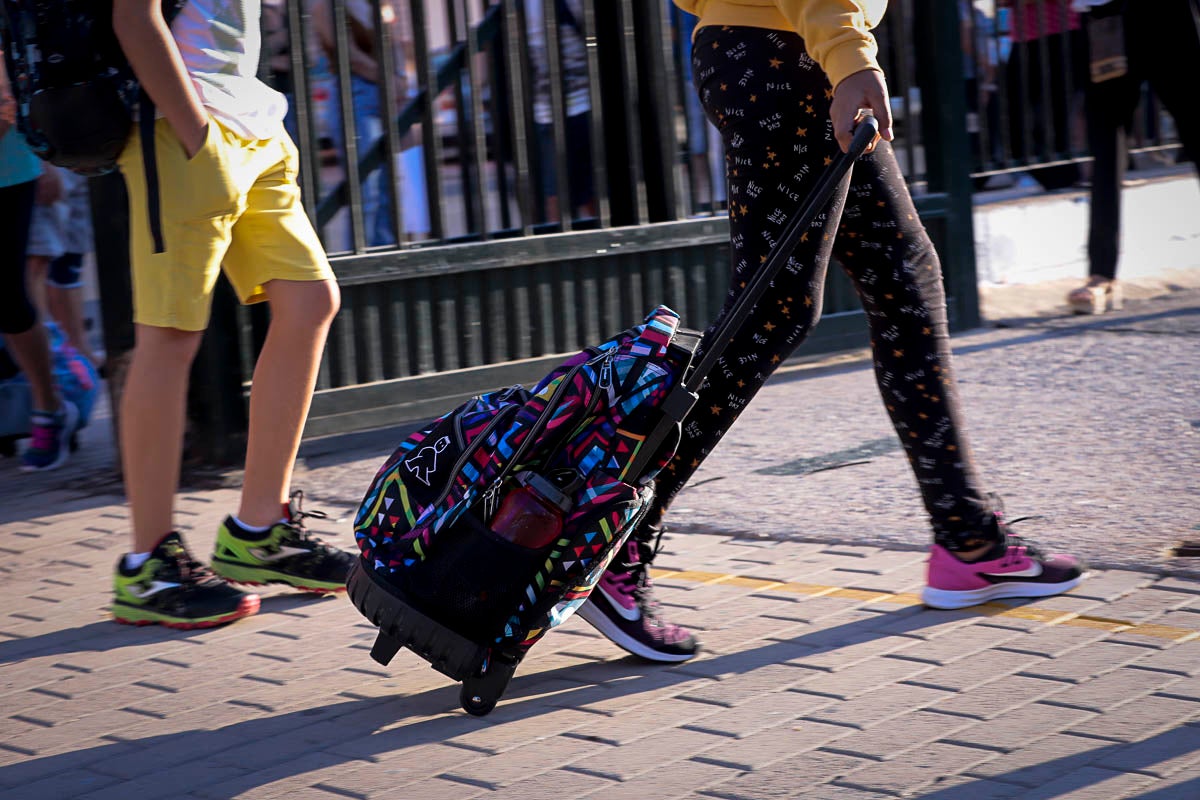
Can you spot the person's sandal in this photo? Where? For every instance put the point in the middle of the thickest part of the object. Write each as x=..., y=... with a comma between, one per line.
x=1096, y=296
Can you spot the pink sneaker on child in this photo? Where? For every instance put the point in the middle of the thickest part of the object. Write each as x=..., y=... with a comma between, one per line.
x=1021, y=570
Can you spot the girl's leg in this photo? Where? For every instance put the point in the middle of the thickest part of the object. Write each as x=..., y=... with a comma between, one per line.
x=888, y=255
x=770, y=102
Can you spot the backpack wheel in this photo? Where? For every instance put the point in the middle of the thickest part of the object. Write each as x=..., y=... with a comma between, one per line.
x=481, y=691
x=473, y=701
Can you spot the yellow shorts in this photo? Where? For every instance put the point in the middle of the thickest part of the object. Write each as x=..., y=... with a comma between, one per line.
x=235, y=205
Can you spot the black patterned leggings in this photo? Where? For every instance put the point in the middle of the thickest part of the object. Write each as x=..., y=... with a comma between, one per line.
x=771, y=103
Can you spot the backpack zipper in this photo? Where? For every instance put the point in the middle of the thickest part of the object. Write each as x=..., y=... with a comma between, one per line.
x=491, y=495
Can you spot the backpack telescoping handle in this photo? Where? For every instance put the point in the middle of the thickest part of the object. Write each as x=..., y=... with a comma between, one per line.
x=864, y=134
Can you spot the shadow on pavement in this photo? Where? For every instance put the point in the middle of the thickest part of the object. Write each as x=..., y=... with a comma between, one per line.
x=1115, y=757
x=106, y=635
x=351, y=731
x=366, y=729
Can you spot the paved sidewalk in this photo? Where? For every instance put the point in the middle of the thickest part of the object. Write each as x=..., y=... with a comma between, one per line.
x=823, y=678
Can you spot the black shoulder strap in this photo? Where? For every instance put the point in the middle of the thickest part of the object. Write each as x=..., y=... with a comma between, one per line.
x=170, y=10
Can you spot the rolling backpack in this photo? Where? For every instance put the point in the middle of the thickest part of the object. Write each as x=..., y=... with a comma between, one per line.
x=76, y=94
x=491, y=525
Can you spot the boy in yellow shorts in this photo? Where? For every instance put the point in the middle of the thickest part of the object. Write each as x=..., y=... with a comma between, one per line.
x=229, y=200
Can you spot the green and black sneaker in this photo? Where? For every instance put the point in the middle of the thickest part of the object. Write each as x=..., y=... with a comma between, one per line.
x=286, y=553
x=173, y=589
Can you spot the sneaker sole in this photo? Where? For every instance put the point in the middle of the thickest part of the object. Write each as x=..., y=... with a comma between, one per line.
x=258, y=576
x=946, y=599
x=597, y=619
x=130, y=615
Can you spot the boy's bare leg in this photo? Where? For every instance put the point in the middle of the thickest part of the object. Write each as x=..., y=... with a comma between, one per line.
x=153, y=414
x=284, y=377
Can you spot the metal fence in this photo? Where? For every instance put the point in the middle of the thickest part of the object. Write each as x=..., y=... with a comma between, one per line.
x=1027, y=69
x=526, y=177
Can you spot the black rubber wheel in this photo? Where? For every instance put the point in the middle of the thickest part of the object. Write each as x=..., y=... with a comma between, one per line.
x=474, y=702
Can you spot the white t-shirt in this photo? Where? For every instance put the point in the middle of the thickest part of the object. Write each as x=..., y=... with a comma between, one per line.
x=220, y=42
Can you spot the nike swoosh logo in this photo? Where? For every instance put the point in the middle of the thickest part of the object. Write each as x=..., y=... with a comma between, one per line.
x=1032, y=571
x=283, y=552
x=629, y=614
x=153, y=588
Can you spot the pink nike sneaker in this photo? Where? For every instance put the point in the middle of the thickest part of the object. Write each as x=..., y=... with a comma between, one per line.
x=622, y=607
x=1020, y=571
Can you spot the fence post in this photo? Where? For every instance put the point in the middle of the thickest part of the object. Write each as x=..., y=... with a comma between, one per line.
x=110, y=222
x=948, y=148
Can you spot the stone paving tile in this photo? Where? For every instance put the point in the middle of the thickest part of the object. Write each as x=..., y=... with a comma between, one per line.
x=71, y=783
x=1146, y=605
x=629, y=760
x=1091, y=783
x=1053, y=641
x=552, y=785
x=1170, y=752
x=1114, y=688
x=966, y=674
x=917, y=769
x=877, y=706
x=806, y=771
x=673, y=781
x=1183, y=785
x=864, y=676
x=854, y=649
x=515, y=764
x=920, y=729
x=998, y=697
x=1112, y=585
x=1020, y=727
x=1051, y=758
x=1139, y=719
x=963, y=642
x=760, y=750
x=1086, y=662
x=759, y=713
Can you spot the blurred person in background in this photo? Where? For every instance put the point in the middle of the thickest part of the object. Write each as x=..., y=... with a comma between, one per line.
x=1131, y=42
x=54, y=419
x=1045, y=79
x=577, y=126
x=367, y=84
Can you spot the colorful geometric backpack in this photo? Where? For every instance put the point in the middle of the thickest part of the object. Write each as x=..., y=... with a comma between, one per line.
x=434, y=575
x=492, y=525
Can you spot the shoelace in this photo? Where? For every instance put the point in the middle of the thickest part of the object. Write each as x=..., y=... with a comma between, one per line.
x=296, y=512
x=295, y=523
x=186, y=567
x=1005, y=525
x=638, y=573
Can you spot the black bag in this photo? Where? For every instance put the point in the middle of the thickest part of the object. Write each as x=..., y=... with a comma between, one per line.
x=76, y=93
x=442, y=574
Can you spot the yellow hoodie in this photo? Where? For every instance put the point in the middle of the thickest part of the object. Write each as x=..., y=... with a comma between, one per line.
x=836, y=33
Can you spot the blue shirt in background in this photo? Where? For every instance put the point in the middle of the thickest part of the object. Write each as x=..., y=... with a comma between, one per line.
x=18, y=164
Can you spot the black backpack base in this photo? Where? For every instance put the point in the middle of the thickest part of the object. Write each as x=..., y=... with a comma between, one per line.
x=401, y=625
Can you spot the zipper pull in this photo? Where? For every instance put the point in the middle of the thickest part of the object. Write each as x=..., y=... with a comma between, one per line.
x=606, y=376
x=489, y=500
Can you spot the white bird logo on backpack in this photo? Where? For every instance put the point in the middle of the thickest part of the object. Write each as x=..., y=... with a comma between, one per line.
x=424, y=463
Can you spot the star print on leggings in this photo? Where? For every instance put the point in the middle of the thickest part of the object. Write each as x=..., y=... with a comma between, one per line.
x=771, y=103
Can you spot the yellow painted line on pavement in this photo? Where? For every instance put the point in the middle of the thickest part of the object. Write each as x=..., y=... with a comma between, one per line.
x=993, y=609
